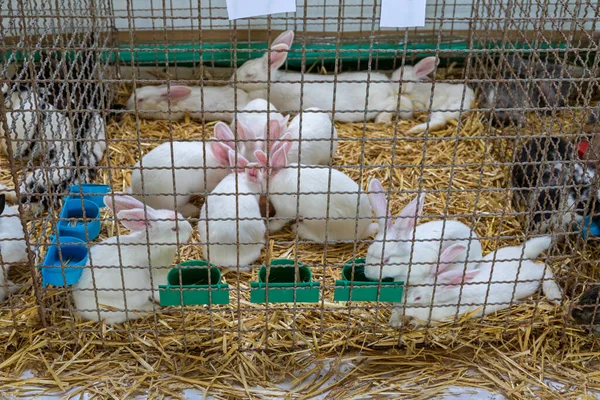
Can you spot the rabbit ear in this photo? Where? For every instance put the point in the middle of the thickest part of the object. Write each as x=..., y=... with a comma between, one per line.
x=2, y=203
x=456, y=277
x=242, y=162
x=379, y=203
x=286, y=38
x=224, y=134
x=279, y=158
x=136, y=219
x=244, y=131
x=447, y=257
x=123, y=203
x=425, y=67
x=274, y=130
x=277, y=56
x=176, y=92
x=407, y=218
x=261, y=157
x=283, y=143
x=221, y=152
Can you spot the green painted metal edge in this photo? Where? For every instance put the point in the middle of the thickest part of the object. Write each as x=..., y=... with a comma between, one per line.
x=174, y=294
x=365, y=290
x=284, y=291
x=221, y=54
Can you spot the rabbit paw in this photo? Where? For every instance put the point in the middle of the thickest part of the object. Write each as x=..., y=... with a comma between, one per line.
x=397, y=318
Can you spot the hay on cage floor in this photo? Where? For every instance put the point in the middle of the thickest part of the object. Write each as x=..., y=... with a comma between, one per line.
x=243, y=350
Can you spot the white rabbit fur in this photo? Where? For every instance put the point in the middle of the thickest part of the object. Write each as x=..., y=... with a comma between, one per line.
x=158, y=183
x=152, y=102
x=99, y=291
x=350, y=90
x=505, y=265
x=318, y=132
x=251, y=127
x=311, y=216
x=446, y=96
x=13, y=247
x=402, y=239
x=235, y=225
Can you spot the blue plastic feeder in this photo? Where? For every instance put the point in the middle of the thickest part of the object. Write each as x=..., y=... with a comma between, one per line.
x=64, y=268
x=72, y=222
x=91, y=191
x=590, y=227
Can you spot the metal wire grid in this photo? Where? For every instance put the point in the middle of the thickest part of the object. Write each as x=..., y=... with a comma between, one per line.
x=521, y=22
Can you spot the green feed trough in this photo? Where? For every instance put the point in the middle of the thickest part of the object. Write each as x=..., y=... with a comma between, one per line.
x=192, y=286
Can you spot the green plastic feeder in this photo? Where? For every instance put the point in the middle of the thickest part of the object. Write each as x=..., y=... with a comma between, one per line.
x=194, y=288
x=362, y=289
x=282, y=285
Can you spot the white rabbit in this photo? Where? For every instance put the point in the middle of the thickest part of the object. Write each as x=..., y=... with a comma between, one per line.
x=251, y=127
x=235, y=226
x=323, y=208
x=13, y=247
x=119, y=278
x=211, y=103
x=191, y=170
x=504, y=277
x=318, y=133
x=446, y=96
x=415, y=249
x=350, y=89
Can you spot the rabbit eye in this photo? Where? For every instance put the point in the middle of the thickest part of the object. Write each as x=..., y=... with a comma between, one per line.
x=140, y=100
x=174, y=229
x=386, y=260
x=417, y=298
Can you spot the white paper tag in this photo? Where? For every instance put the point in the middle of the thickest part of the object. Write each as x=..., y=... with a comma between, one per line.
x=402, y=13
x=252, y=8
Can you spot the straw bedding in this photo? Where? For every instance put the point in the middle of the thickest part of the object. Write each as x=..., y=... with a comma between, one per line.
x=243, y=350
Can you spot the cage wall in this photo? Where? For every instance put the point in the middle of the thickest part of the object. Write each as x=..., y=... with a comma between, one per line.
x=308, y=250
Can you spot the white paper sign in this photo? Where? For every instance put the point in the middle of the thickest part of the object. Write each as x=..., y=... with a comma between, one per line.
x=252, y=8
x=402, y=13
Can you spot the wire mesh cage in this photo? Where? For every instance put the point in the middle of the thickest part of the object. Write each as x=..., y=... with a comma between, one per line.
x=225, y=203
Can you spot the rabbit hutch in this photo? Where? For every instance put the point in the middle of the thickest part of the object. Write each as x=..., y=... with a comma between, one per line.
x=299, y=199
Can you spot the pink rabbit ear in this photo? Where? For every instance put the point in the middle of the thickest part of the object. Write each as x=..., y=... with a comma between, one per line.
x=277, y=56
x=456, y=277
x=407, y=219
x=122, y=203
x=136, y=219
x=221, y=152
x=176, y=92
x=279, y=158
x=286, y=38
x=284, y=143
x=244, y=131
x=274, y=130
x=242, y=162
x=447, y=257
x=379, y=204
x=224, y=135
x=261, y=157
x=425, y=67
x=283, y=122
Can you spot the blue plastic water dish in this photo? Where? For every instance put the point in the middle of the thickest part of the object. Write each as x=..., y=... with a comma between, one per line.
x=72, y=222
x=590, y=227
x=91, y=191
x=65, y=271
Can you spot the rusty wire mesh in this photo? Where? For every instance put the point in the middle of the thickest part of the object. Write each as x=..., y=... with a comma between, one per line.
x=507, y=166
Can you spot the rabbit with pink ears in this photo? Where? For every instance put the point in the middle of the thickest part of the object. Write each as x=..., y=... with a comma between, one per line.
x=353, y=92
x=124, y=271
x=501, y=279
x=198, y=168
x=448, y=101
x=404, y=246
x=208, y=103
x=323, y=203
x=232, y=230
